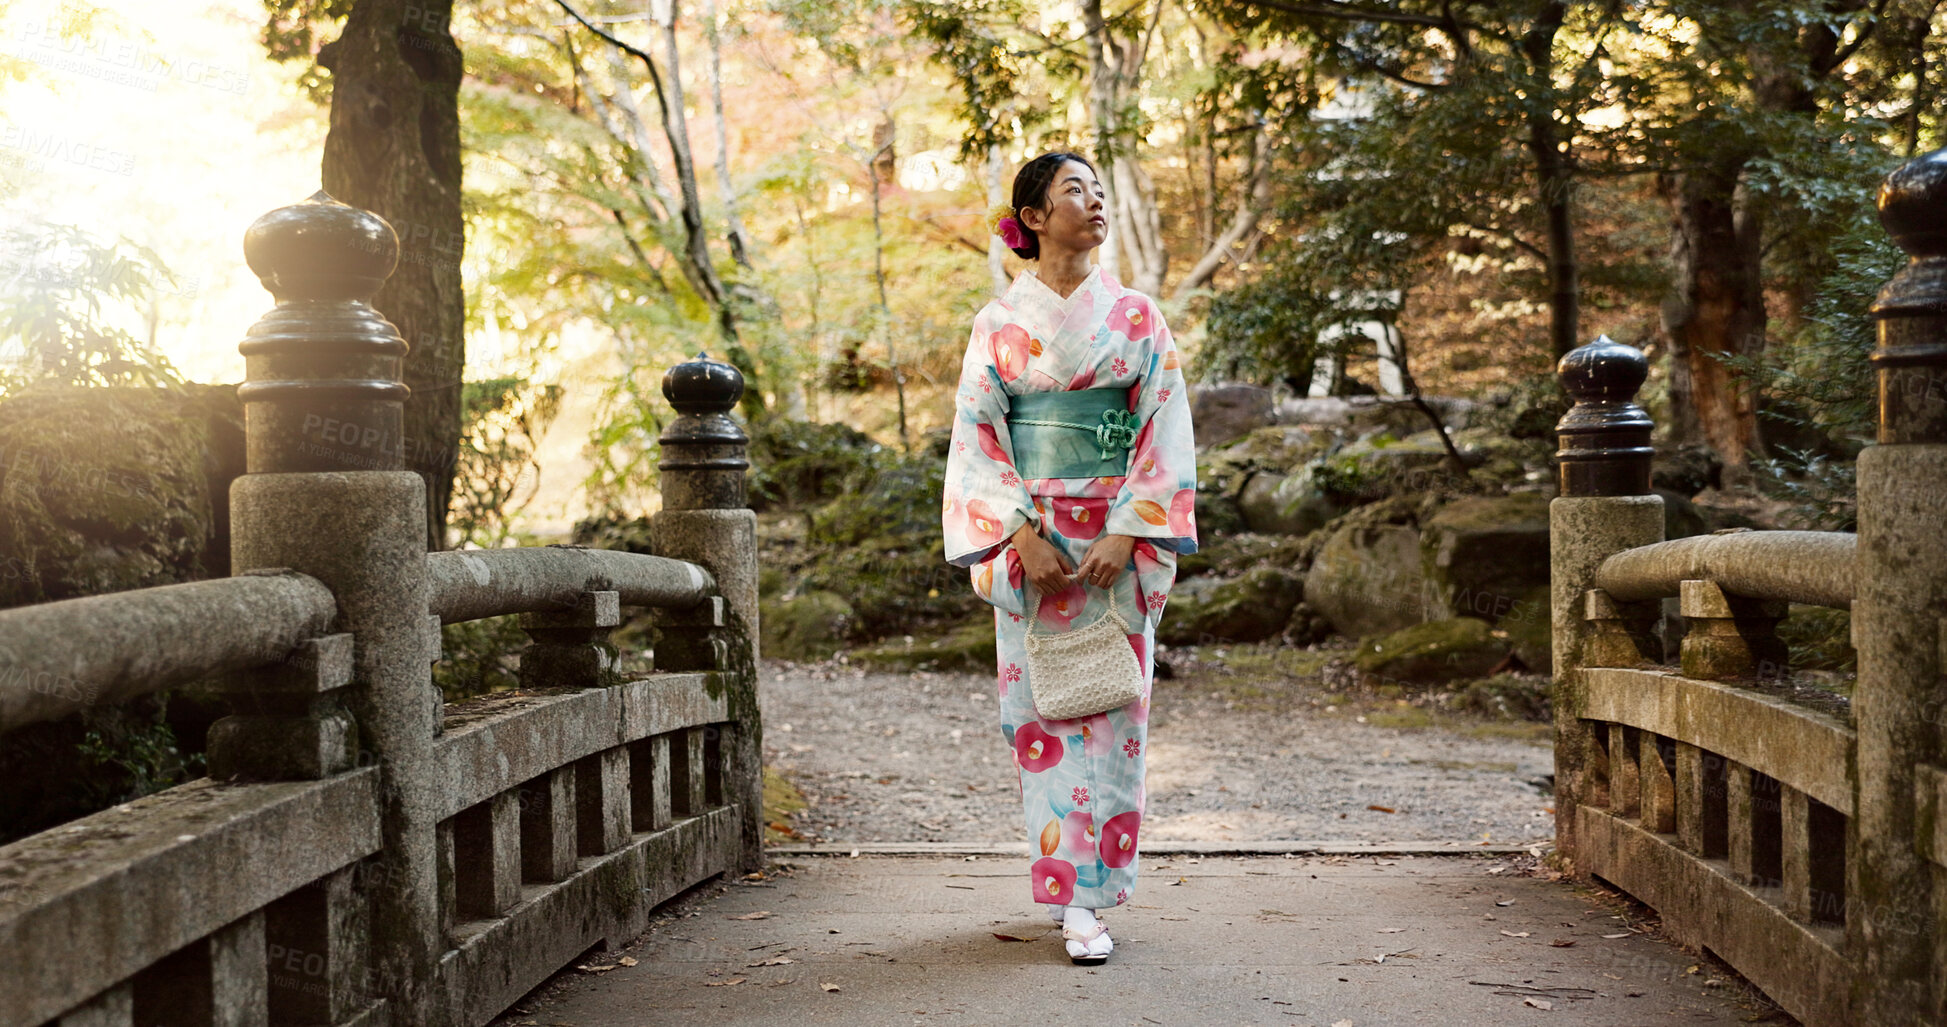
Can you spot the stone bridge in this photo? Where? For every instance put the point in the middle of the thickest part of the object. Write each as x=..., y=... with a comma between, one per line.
x=361, y=855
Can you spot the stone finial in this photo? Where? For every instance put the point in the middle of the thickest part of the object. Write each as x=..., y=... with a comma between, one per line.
x=1912, y=308
x=703, y=450
x=322, y=389
x=1604, y=439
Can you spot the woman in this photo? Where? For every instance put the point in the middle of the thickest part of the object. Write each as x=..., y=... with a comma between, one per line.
x=1057, y=523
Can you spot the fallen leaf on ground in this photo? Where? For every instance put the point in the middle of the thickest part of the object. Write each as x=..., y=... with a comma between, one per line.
x=828, y=987
x=1613, y=937
x=1538, y=1003
x=1383, y=809
x=723, y=984
x=1515, y=934
x=1563, y=943
x=627, y=961
x=593, y=969
x=761, y=914
x=777, y=961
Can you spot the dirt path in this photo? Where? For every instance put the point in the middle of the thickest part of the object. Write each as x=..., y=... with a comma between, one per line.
x=1243, y=748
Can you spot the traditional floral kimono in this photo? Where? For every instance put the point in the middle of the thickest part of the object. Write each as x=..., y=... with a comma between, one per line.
x=1081, y=780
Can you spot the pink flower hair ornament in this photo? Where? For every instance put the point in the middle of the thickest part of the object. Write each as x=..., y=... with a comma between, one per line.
x=1002, y=221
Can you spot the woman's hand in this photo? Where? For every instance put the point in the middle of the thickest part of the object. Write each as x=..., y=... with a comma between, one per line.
x=1043, y=564
x=1106, y=560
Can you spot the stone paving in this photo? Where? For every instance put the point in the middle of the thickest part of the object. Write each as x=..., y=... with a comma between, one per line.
x=1328, y=941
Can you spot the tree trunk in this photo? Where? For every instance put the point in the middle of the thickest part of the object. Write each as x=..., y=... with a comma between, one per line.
x=394, y=149
x=1140, y=223
x=1254, y=197
x=739, y=240
x=1716, y=308
x=1101, y=116
x=996, y=195
x=1554, y=183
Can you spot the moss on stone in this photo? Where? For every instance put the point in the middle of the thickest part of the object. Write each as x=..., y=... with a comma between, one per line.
x=970, y=647
x=804, y=626
x=109, y=489
x=1430, y=653
x=1248, y=608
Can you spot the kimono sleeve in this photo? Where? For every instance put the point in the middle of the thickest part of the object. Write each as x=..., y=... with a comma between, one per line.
x=985, y=501
x=1158, y=499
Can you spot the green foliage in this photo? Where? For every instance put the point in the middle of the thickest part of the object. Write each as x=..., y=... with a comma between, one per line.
x=106, y=489
x=501, y=424
x=139, y=754
x=294, y=31
x=797, y=463
x=479, y=656
x=61, y=291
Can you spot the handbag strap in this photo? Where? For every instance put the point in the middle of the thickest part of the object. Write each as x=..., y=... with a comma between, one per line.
x=1034, y=611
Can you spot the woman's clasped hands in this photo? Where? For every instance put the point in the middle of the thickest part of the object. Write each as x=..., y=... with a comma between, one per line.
x=1047, y=569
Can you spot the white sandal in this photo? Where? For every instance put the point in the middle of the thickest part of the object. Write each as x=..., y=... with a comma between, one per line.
x=1088, y=947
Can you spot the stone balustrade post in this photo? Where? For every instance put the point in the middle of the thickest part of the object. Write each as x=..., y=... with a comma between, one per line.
x=325, y=494
x=1605, y=506
x=1901, y=594
x=707, y=520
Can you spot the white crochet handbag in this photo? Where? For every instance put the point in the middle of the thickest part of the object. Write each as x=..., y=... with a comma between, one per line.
x=1082, y=671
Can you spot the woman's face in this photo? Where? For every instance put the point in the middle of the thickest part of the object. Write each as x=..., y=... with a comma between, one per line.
x=1072, y=217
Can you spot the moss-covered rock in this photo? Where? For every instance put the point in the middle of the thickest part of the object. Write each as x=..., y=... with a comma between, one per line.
x=1366, y=579
x=1295, y=504
x=1484, y=553
x=880, y=548
x=1504, y=697
x=1249, y=608
x=1277, y=449
x=1226, y=412
x=969, y=648
x=1530, y=630
x=1431, y=653
x=805, y=626
x=108, y=489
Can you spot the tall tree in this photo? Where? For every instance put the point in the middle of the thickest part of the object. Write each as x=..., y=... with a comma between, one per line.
x=394, y=149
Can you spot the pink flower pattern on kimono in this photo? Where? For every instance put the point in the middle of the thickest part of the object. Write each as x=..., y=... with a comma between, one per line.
x=1059, y=610
x=1011, y=345
x=982, y=524
x=1054, y=880
x=1119, y=838
x=1035, y=749
x=1078, y=832
x=1133, y=316
x=1078, y=517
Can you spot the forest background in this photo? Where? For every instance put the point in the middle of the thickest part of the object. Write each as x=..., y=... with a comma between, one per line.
x=587, y=192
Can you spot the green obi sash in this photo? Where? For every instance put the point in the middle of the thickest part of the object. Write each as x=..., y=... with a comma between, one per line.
x=1085, y=433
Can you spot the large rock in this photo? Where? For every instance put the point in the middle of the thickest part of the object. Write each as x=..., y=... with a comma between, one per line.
x=1366, y=579
x=1432, y=653
x=811, y=626
x=1484, y=554
x=1293, y=504
x=1365, y=415
x=1225, y=412
x=1216, y=611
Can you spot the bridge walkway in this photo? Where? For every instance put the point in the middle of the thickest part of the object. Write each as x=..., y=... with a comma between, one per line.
x=1274, y=940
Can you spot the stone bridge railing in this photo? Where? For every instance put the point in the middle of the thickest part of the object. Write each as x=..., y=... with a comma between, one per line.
x=1797, y=836
x=360, y=853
